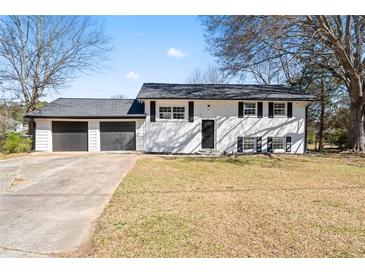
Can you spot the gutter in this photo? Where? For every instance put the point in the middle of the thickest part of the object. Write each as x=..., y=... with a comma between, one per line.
x=231, y=99
x=86, y=117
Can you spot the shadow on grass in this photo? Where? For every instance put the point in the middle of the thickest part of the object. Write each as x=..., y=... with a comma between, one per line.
x=241, y=160
x=237, y=161
x=228, y=190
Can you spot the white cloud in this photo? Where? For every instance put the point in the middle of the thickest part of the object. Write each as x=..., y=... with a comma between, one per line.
x=176, y=53
x=132, y=75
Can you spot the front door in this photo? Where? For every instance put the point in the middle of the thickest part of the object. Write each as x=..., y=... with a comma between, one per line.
x=207, y=134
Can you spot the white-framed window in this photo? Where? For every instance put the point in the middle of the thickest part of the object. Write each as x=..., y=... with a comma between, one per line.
x=168, y=113
x=279, y=109
x=165, y=112
x=178, y=113
x=249, y=144
x=249, y=108
x=278, y=143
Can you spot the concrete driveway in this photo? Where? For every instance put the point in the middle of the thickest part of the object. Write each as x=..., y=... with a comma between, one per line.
x=50, y=203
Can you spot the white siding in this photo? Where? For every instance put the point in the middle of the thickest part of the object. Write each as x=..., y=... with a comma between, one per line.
x=140, y=135
x=185, y=137
x=43, y=141
x=94, y=143
x=44, y=133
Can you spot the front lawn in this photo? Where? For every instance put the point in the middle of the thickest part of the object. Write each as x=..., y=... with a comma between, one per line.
x=250, y=206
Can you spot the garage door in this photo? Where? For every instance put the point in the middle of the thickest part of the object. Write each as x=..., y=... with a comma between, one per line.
x=117, y=136
x=69, y=136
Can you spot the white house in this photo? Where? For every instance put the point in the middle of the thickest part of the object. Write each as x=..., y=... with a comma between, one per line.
x=179, y=118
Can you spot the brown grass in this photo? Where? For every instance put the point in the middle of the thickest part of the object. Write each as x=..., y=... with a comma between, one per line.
x=251, y=206
x=4, y=156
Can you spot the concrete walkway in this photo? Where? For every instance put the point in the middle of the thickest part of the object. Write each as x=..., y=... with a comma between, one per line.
x=50, y=203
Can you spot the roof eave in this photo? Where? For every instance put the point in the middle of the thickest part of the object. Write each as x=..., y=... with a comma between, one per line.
x=139, y=116
x=228, y=99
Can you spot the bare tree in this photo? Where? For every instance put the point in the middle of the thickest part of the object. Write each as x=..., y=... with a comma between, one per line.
x=212, y=75
x=334, y=43
x=40, y=54
x=118, y=96
x=326, y=90
x=278, y=71
x=266, y=73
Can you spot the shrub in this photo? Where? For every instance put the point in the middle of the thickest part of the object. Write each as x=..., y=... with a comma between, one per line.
x=15, y=142
x=338, y=137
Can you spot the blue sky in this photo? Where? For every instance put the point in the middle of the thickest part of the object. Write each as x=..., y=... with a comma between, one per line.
x=145, y=49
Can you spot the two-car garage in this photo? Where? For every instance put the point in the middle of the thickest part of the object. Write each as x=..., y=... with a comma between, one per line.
x=73, y=136
x=89, y=124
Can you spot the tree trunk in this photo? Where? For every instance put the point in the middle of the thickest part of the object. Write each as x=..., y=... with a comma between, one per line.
x=31, y=126
x=357, y=132
x=31, y=131
x=357, y=117
x=322, y=117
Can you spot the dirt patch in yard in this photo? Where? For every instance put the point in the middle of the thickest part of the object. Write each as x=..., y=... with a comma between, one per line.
x=250, y=206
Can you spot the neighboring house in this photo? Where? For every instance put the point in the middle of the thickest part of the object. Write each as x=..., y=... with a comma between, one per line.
x=179, y=118
x=10, y=117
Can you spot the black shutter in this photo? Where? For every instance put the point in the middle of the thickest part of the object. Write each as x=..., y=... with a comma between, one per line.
x=153, y=111
x=271, y=110
x=269, y=144
x=259, y=110
x=290, y=110
x=239, y=144
x=258, y=144
x=191, y=111
x=288, y=144
x=240, y=109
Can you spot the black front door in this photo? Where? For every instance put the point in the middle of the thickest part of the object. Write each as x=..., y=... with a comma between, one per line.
x=208, y=134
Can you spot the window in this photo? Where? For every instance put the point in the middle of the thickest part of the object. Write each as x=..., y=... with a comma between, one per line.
x=279, y=109
x=178, y=113
x=249, y=108
x=249, y=143
x=167, y=113
x=277, y=143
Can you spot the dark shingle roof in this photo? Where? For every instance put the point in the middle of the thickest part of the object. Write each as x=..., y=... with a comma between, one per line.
x=91, y=108
x=221, y=92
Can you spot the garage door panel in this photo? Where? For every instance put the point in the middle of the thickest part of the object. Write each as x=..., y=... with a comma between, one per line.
x=117, y=136
x=70, y=136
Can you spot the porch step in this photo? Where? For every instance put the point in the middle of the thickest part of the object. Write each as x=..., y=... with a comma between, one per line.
x=208, y=152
